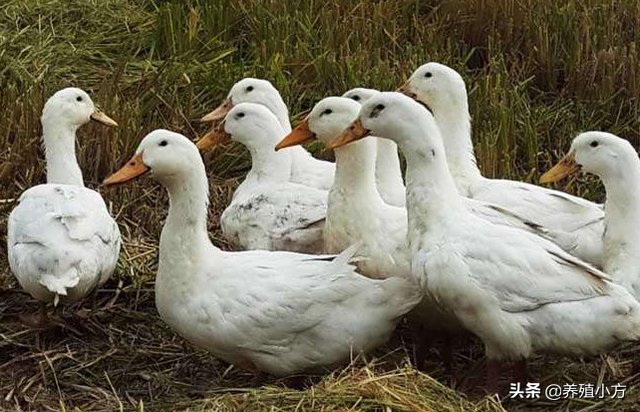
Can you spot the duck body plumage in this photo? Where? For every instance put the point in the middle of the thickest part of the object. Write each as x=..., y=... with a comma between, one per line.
x=520, y=293
x=277, y=312
x=580, y=223
x=62, y=243
x=284, y=216
x=281, y=312
x=555, y=303
x=62, y=240
x=268, y=211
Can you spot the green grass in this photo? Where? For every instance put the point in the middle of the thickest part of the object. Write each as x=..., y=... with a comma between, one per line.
x=538, y=72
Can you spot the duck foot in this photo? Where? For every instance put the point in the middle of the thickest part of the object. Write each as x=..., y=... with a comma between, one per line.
x=447, y=352
x=38, y=320
x=520, y=373
x=259, y=377
x=295, y=382
x=493, y=377
x=423, y=341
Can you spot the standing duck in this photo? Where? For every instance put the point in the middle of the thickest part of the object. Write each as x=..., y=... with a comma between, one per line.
x=443, y=90
x=62, y=243
x=356, y=212
x=276, y=312
x=305, y=169
x=388, y=171
x=267, y=210
x=615, y=161
x=518, y=292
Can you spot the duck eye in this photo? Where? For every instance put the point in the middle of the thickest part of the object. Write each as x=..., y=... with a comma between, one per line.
x=594, y=143
x=79, y=98
x=328, y=111
x=240, y=115
x=249, y=88
x=376, y=110
x=428, y=74
x=163, y=143
x=356, y=98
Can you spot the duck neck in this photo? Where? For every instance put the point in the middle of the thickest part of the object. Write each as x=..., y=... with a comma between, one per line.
x=454, y=123
x=279, y=108
x=431, y=191
x=388, y=171
x=621, y=207
x=269, y=166
x=355, y=171
x=60, y=153
x=184, y=240
x=432, y=196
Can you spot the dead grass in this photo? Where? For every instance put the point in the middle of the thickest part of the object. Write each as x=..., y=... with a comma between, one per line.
x=114, y=353
x=538, y=73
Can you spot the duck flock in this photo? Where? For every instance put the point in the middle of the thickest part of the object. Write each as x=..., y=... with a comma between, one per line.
x=336, y=254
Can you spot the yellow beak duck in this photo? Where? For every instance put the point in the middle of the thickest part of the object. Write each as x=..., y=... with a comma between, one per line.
x=443, y=90
x=305, y=169
x=519, y=293
x=276, y=312
x=62, y=243
x=267, y=211
x=615, y=161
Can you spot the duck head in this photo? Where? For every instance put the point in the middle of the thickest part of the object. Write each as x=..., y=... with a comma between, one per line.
x=396, y=117
x=165, y=155
x=251, y=124
x=251, y=90
x=73, y=107
x=360, y=94
x=328, y=118
x=603, y=154
x=437, y=86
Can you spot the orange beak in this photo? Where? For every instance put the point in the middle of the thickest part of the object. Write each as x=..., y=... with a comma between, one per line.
x=219, y=113
x=301, y=134
x=355, y=132
x=406, y=90
x=134, y=168
x=215, y=137
x=565, y=167
x=99, y=116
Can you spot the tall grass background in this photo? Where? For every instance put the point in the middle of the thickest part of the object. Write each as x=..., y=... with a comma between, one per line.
x=538, y=72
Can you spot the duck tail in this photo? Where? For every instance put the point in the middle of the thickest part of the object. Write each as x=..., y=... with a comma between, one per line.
x=347, y=256
x=627, y=313
x=60, y=283
x=404, y=292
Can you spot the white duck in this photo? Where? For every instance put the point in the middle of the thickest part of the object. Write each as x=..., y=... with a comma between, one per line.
x=388, y=171
x=62, y=243
x=518, y=292
x=305, y=169
x=443, y=90
x=615, y=161
x=268, y=211
x=277, y=312
x=356, y=213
